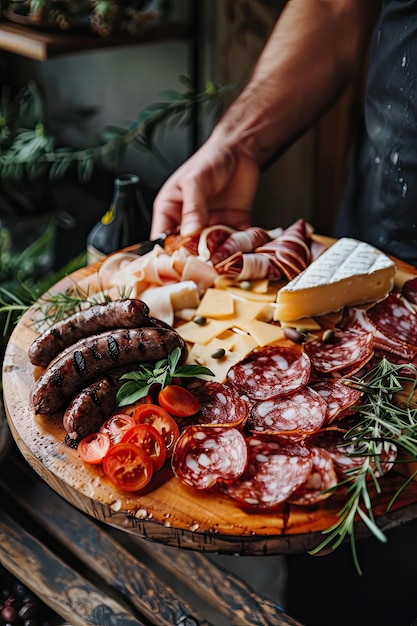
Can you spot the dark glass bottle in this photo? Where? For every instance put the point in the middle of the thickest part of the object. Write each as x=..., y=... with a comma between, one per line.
x=125, y=223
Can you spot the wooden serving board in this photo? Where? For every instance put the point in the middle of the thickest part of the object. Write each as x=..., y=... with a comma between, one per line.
x=168, y=511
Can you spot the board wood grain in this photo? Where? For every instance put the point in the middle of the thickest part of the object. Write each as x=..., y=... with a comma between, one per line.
x=168, y=511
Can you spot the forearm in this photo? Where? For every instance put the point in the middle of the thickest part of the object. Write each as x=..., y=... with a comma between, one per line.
x=315, y=48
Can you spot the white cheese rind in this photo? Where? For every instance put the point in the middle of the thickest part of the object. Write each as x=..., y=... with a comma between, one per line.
x=348, y=273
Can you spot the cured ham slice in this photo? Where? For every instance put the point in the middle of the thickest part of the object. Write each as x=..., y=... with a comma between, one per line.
x=274, y=471
x=289, y=254
x=297, y=415
x=211, y=239
x=270, y=372
x=202, y=456
x=249, y=266
x=240, y=241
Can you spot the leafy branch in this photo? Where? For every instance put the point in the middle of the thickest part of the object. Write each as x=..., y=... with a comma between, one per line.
x=385, y=425
x=28, y=147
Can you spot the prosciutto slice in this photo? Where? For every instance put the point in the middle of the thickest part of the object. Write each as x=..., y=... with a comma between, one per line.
x=250, y=266
x=240, y=241
x=289, y=254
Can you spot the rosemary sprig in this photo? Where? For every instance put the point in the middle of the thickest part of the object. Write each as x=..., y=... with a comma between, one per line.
x=383, y=423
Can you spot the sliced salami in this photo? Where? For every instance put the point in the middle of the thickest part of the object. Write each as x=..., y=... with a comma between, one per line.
x=270, y=372
x=409, y=290
x=395, y=317
x=274, y=471
x=203, y=456
x=347, y=349
x=356, y=319
x=338, y=397
x=321, y=481
x=347, y=456
x=220, y=405
x=297, y=415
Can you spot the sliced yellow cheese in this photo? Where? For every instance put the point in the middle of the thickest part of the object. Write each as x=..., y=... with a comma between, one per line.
x=236, y=345
x=265, y=333
x=269, y=296
x=348, y=273
x=194, y=333
x=306, y=323
x=216, y=303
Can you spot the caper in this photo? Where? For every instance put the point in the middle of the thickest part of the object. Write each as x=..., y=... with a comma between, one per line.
x=328, y=336
x=246, y=285
x=294, y=335
x=219, y=353
x=200, y=320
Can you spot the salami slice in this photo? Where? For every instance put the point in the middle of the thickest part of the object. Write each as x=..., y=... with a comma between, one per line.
x=347, y=456
x=220, y=405
x=203, y=456
x=395, y=317
x=337, y=396
x=347, y=349
x=270, y=372
x=274, y=471
x=409, y=290
x=297, y=415
x=356, y=319
x=321, y=481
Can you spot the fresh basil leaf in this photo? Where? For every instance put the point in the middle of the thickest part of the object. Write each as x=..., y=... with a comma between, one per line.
x=130, y=393
x=173, y=360
x=189, y=371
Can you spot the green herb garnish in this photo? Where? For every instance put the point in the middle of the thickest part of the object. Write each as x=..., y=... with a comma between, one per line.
x=384, y=423
x=161, y=373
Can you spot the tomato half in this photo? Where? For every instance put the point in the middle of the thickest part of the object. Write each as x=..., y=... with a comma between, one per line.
x=178, y=401
x=116, y=426
x=160, y=419
x=148, y=438
x=93, y=448
x=128, y=467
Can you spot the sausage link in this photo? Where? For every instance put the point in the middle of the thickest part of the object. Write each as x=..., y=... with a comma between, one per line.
x=126, y=313
x=89, y=360
x=93, y=405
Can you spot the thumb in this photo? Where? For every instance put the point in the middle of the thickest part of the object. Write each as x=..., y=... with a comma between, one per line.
x=194, y=210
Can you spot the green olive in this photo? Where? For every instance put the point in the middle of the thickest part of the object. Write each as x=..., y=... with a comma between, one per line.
x=200, y=320
x=246, y=285
x=219, y=353
x=328, y=336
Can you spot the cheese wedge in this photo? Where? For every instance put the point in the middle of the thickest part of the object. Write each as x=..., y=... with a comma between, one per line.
x=348, y=273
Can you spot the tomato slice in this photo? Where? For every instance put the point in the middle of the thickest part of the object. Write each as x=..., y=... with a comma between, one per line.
x=178, y=401
x=128, y=467
x=160, y=419
x=93, y=448
x=148, y=438
x=117, y=425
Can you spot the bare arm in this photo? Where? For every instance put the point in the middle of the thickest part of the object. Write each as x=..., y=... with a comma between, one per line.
x=313, y=51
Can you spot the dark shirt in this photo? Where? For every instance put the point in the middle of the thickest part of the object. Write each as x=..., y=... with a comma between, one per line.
x=380, y=204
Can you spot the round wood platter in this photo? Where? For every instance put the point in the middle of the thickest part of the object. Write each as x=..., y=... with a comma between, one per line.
x=168, y=511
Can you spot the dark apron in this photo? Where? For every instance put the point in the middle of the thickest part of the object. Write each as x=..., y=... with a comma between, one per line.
x=380, y=204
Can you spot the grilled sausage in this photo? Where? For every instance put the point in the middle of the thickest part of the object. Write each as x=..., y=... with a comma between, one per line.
x=93, y=405
x=126, y=313
x=103, y=352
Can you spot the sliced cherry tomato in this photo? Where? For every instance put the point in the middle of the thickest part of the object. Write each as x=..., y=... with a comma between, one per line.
x=160, y=419
x=93, y=448
x=128, y=467
x=130, y=408
x=178, y=401
x=116, y=426
x=147, y=437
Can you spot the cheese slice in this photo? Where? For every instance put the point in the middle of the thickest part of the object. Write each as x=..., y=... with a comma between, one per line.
x=216, y=303
x=350, y=272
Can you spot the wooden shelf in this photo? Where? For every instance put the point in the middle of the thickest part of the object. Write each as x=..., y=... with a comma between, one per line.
x=41, y=46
